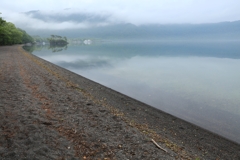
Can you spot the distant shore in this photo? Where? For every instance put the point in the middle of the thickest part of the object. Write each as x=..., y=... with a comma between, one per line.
x=48, y=112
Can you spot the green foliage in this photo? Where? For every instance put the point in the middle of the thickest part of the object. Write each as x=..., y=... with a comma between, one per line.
x=1, y=20
x=9, y=34
x=56, y=40
x=26, y=38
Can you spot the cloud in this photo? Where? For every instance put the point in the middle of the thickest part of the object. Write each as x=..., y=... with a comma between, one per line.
x=58, y=20
x=69, y=15
x=59, y=14
x=78, y=62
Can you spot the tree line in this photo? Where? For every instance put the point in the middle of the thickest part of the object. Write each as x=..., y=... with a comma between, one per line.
x=9, y=34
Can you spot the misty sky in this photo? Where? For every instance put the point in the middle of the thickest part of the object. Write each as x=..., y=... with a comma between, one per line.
x=105, y=12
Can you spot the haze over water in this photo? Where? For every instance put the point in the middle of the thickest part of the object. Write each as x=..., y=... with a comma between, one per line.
x=197, y=81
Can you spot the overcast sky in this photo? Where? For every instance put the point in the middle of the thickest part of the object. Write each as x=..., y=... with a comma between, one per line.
x=137, y=12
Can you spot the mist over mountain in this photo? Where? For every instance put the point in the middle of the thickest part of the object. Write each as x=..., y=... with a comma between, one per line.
x=104, y=25
x=68, y=17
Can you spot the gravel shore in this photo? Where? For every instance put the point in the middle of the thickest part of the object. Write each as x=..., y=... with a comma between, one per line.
x=47, y=112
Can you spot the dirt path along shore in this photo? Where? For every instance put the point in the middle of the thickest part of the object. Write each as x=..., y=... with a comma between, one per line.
x=47, y=112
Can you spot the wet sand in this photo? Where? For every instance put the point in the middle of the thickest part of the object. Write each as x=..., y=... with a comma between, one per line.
x=47, y=112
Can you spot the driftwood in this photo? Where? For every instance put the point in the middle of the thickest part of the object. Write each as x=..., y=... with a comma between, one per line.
x=159, y=146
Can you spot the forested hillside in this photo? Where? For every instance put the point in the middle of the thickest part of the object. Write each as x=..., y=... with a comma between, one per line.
x=9, y=34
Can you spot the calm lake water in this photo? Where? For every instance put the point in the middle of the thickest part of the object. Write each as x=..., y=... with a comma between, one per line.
x=198, y=81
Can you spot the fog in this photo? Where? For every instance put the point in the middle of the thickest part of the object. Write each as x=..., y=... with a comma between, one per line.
x=102, y=12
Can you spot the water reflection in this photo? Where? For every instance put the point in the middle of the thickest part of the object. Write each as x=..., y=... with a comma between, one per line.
x=198, y=82
x=34, y=48
x=53, y=48
x=57, y=48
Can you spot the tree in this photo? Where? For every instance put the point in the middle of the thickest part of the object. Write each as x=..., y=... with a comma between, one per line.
x=9, y=34
x=26, y=38
x=56, y=40
x=2, y=29
x=1, y=20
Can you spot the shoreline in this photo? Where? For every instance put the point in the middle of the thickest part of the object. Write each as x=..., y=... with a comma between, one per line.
x=181, y=139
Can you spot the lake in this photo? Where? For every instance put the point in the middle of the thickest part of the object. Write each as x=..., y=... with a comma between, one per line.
x=198, y=81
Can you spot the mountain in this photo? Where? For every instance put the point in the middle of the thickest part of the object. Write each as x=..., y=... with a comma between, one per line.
x=102, y=26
